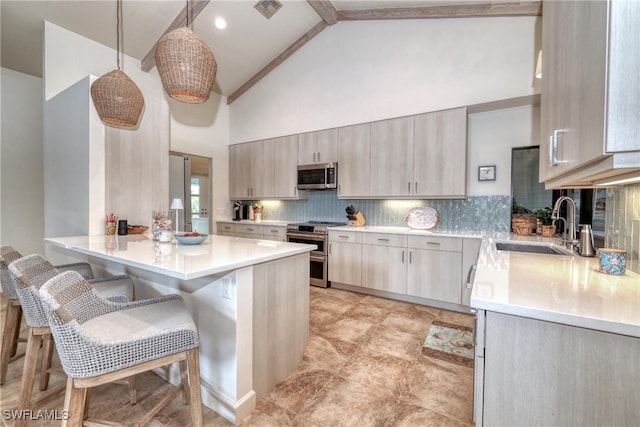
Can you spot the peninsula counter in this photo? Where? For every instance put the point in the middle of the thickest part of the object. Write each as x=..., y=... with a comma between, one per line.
x=249, y=299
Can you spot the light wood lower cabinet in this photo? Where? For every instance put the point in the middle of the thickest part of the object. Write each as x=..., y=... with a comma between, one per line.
x=384, y=262
x=427, y=267
x=253, y=231
x=435, y=268
x=541, y=373
x=345, y=258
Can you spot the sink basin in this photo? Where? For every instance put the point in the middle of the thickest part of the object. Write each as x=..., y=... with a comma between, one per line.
x=531, y=248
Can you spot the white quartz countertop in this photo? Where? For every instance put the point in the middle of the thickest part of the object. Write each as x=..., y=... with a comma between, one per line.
x=249, y=222
x=565, y=289
x=215, y=255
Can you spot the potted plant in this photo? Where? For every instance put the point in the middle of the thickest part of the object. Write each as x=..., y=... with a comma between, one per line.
x=547, y=229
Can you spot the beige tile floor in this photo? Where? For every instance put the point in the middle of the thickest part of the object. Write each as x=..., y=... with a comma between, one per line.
x=362, y=367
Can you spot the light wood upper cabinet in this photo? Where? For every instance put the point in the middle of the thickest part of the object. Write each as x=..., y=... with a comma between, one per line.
x=251, y=173
x=354, y=149
x=589, y=109
x=392, y=157
x=440, y=154
x=285, y=167
x=318, y=147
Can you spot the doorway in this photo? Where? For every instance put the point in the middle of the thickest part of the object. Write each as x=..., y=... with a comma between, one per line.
x=190, y=181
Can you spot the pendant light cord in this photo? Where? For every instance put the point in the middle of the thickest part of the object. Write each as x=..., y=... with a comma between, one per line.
x=118, y=12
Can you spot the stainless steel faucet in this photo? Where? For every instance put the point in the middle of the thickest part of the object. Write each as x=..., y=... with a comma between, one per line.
x=569, y=238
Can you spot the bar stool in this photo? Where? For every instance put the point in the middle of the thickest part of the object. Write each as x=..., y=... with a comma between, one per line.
x=99, y=341
x=13, y=315
x=30, y=273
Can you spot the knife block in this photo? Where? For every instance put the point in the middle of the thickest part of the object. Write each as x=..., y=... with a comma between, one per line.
x=360, y=221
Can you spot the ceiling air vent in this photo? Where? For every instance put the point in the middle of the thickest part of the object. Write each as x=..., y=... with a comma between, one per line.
x=268, y=7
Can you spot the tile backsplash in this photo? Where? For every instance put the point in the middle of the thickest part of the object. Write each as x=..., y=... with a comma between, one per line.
x=622, y=222
x=483, y=213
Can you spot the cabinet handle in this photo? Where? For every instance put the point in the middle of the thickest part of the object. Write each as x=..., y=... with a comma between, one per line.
x=330, y=247
x=227, y=227
x=470, y=280
x=249, y=229
x=273, y=231
x=339, y=188
x=551, y=159
x=383, y=240
x=318, y=156
x=415, y=188
x=314, y=157
x=295, y=190
x=433, y=244
x=409, y=187
x=410, y=257
x=554, y=147
x=343, y=237
x=248, y=192
x=403, y=257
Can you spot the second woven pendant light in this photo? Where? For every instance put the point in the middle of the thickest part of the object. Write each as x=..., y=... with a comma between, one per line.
x=186, y=65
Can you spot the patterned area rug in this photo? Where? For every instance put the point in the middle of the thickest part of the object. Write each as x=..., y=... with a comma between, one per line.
x=453, y=343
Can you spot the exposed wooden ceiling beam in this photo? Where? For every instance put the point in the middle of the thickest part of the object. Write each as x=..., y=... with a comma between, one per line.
x=473, y=10
x=149, y=60
x=278, y=60
x=325, y=9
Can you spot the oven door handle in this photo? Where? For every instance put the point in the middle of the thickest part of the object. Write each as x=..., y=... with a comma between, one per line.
x=318, y=238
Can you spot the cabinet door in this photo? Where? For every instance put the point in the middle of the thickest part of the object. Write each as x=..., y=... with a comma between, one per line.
x=573, y=91
x=435, y=274
x=392, y=157
x=439, y=154
x=239, y=163
x=384, y=268
x=261, y=169
x=307, y=152
x=327, y=145
x=345, y=263
x=354, y=147
x=284, y=167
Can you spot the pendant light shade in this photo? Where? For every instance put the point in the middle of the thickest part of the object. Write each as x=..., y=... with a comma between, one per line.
x=117, y=99
x=186, y=65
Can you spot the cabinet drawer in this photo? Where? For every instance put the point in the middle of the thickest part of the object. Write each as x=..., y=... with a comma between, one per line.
x=451, y=244
x=249, y=229
x=271, y=231
x=224, y=227
x=345, y=236
x=385, y=239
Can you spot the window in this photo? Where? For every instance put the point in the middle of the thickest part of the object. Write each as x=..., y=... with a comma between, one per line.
x=195, y=196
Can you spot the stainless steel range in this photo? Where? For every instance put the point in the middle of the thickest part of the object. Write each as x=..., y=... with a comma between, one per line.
x=314, y=233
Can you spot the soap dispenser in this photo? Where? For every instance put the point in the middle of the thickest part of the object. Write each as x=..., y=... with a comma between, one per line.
x=587, y=247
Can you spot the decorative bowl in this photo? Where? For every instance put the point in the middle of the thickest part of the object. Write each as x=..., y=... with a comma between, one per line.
x=190, y=240
x=136, y=229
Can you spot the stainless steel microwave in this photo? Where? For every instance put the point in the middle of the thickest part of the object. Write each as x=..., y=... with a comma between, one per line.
x=319, y=176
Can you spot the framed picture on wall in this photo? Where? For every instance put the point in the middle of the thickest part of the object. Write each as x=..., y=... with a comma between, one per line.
x=487, y=173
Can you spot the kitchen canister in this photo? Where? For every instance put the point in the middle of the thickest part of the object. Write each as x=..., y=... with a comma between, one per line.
x=612, y=261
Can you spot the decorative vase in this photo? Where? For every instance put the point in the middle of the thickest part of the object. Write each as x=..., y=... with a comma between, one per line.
x=110, y=227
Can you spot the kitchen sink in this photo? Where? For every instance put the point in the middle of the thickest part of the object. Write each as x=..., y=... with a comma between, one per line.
x=531, y=248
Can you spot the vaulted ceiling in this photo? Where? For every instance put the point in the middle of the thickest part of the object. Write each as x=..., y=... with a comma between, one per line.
x=247, y=49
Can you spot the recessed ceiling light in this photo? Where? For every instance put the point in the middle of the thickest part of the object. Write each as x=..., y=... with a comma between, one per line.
x=220, y=23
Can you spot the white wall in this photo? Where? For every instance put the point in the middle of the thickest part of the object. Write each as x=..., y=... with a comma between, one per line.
x=355, y=72
x=193, y=124
x=194, y=129
x=491, y=136
x=21, y=175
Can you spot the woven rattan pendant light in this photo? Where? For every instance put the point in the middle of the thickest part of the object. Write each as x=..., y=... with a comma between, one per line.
x=186, y=65
x=117, y=99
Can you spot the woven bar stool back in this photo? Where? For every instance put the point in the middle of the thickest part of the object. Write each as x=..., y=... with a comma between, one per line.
x=99, y=341
x=13, y=312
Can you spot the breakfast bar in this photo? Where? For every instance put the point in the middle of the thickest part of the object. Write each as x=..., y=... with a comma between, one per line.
x=249, y=299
